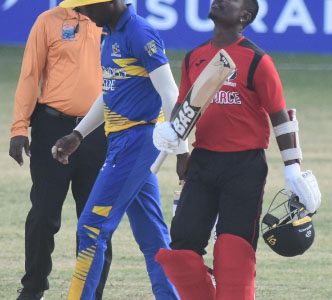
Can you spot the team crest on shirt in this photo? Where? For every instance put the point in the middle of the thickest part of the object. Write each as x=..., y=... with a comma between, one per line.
x=116, y=50
x=151, y=47
x=68, y=32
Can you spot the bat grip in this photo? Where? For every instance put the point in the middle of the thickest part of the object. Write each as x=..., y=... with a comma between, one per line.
x=158, y=162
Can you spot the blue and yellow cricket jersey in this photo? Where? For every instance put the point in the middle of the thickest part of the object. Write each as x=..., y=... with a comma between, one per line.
x=129, y=54
x=125, y=183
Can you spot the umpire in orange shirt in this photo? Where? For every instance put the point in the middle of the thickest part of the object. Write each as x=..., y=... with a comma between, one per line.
x=63, y=55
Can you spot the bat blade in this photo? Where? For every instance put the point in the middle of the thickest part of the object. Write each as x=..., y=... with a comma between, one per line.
x=202, y=92
x=207, y=84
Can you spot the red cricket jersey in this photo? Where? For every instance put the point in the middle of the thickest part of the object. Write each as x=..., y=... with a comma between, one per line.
x=237, y=117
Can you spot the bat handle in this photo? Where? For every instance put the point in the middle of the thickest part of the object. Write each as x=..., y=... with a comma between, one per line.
x=158, y=162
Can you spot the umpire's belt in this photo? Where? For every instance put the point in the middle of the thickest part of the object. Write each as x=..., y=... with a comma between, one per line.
x=58, y=114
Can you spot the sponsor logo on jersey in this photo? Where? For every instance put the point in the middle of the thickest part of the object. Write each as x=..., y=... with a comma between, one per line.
x=227, y=97
x=113, y=73
x=109, y=77
x=230, y=79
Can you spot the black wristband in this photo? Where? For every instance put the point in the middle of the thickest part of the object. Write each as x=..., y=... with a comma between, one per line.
x=78, y=134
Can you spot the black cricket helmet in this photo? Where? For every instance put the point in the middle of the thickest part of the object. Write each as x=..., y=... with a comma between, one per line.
x=287, y=227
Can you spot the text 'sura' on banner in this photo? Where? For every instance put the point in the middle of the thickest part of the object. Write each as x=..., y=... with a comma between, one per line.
x=299, y=26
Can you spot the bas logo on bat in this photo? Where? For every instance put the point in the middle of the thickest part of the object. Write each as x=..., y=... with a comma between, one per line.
x=186, y=115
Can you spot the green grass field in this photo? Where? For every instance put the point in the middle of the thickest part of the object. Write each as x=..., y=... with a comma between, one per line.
x=308, y=87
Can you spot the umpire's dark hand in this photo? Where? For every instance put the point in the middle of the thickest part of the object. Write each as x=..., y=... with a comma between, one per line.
x=182, y=164
x=17, y=143
x=65, y=146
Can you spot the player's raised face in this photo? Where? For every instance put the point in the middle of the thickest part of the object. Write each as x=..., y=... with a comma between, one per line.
x=227, y=12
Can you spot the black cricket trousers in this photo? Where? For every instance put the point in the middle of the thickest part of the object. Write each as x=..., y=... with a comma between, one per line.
x=50, y=185
x=225, y=184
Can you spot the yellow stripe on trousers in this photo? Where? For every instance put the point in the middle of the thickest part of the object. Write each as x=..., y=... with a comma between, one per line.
x=83, y=265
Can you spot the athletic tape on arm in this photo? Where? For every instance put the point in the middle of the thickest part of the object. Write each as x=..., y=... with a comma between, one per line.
x=290, y=154
x=287, y=127
x=93, y=119
x=290, y=127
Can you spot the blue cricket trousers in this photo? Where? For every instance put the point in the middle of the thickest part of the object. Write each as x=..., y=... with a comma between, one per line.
x=124, y=185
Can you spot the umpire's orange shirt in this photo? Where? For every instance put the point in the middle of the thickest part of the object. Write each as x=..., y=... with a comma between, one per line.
x=60, y=68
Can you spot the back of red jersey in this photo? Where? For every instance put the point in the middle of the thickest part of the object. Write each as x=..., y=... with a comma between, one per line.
x=237, y=117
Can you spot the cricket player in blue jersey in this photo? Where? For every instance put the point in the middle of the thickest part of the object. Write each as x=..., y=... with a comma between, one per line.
x=137, y=83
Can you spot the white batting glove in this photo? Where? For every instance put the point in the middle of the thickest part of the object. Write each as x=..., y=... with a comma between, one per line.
x=165, y=139
x=304, y=185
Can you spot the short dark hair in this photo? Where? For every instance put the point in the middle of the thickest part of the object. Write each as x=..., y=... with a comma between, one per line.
x=252, y=7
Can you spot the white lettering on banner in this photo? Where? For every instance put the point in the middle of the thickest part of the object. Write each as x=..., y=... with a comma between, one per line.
x=167, y=16
x=295, y=13
x=53, y=3
x=163, y=15
x=328, y=17
x=8, y=4
x=193, y=19
x=258, y=25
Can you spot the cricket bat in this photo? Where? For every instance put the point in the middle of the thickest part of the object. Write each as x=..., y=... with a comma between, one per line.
x=207, y=84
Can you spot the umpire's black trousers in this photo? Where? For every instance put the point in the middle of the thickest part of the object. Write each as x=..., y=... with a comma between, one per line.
x=50, y=184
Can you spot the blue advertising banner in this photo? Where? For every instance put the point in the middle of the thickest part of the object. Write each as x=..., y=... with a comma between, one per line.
x=299, y=26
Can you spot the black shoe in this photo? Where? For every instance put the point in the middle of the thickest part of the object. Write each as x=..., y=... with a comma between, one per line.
x=27, y=295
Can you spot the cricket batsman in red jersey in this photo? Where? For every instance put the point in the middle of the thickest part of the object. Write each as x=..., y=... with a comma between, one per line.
x=227, y=169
